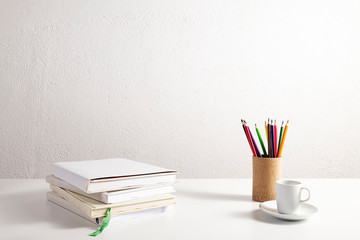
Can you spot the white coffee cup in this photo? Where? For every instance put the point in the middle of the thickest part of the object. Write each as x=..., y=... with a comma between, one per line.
x=288, y=195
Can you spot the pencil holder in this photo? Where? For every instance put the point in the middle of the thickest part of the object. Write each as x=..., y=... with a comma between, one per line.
x=265, y=173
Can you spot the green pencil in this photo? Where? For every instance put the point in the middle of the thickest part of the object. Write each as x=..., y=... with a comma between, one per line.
x=281, y=133
x=261, y=141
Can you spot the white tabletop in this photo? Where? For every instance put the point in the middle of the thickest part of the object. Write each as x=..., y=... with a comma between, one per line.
x=206, y=209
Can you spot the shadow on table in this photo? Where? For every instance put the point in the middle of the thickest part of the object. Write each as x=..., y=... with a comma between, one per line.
x=32, y=206
x=214, y=195
x=260, y=216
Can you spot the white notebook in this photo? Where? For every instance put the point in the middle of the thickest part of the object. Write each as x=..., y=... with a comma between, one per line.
x=53, y=197
x=115, y=196
x=94, y=176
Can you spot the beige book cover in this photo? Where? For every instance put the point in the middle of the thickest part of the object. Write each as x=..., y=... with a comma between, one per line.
x=115, y=219
x=94, y=208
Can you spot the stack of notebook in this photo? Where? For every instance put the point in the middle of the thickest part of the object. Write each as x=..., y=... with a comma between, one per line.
x=129, y=189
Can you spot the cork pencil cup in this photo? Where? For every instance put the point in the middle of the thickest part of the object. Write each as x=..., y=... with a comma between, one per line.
x=266, y=171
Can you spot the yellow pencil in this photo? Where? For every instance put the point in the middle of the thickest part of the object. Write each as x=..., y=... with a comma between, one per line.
x=283, y=139
x=267, y=133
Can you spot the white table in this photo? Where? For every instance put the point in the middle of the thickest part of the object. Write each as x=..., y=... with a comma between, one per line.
x=206, y=209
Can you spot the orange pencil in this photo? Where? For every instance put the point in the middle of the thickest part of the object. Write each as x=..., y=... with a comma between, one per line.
x=283, y=139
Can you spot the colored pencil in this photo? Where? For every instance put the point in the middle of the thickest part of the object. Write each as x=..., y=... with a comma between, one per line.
x=261, y=141
x=275, y=139
x=249, y=139
x=283, y=139
x=269, y=139
x=242, y=123
x=266, y=131
x=272, y=138
x=280, y=137
x=258, y=154
x=275, y=142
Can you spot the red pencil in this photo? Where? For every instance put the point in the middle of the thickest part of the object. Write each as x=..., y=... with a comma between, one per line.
x=275, y=136
x=250, y=141
x=242, y=121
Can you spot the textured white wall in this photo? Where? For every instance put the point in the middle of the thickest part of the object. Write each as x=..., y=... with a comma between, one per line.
x=167, y=82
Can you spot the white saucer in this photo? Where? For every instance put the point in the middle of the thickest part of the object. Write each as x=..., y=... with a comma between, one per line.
x=305, y=211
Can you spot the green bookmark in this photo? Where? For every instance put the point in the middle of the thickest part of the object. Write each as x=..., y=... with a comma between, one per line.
x=104, y=224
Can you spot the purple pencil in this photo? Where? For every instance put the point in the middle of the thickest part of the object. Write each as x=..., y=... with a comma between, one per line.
x=256, y=148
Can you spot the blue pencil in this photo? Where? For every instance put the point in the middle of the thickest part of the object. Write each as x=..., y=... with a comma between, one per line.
x=272, y=140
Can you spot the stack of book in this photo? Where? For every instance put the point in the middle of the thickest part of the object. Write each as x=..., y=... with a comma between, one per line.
x=128, y=188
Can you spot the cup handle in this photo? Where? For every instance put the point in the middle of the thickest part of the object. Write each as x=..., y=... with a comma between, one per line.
x=307, y=199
